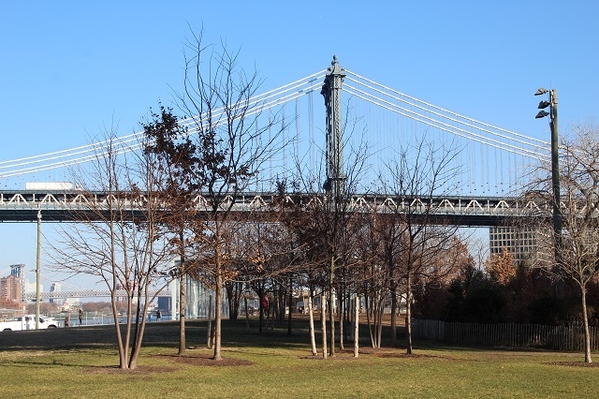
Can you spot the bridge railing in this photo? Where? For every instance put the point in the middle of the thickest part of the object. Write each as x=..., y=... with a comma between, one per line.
x=465, y=210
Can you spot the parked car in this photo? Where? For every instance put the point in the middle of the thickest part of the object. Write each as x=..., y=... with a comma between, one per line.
x=27, y=322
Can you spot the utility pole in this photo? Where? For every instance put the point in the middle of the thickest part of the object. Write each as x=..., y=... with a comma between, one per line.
x=38, y=261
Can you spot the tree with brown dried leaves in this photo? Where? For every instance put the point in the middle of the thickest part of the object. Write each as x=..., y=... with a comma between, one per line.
x=223, y=149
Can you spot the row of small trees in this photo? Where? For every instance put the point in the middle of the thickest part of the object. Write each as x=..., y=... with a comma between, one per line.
x=182, y=183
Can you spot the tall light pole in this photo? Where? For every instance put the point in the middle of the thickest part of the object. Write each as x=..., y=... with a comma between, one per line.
x=552, y=104
x=38, y=262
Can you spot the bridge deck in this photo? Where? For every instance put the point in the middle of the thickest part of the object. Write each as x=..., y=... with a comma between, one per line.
x=87, y=293
x=68, y=206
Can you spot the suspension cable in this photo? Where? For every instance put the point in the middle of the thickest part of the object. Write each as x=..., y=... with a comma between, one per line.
x=86, y=153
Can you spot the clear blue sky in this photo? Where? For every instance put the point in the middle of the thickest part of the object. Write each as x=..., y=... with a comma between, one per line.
x=71, y=68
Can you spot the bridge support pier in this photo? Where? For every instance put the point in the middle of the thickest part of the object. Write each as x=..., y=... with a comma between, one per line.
x=331, y=90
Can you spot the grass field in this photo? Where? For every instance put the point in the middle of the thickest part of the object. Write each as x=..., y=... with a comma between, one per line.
x=80, y=363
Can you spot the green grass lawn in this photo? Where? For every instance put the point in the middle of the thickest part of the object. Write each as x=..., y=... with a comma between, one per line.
x=79, y=363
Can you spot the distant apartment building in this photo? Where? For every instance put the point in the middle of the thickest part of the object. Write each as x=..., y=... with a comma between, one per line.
x=10, y=289
x=521, y=242
x=14, y=287
x=18, y=272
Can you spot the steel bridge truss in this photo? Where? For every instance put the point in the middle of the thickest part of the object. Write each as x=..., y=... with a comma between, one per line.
x=77, y=206
x=88, y=293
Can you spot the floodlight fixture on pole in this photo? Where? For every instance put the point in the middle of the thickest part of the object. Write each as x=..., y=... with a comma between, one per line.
x=541, y=114
x=541, y=91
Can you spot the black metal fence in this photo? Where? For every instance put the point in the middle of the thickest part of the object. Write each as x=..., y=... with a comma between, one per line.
x=563, y=338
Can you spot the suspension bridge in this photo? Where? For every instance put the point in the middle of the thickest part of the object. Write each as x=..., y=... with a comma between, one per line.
x=362, y=122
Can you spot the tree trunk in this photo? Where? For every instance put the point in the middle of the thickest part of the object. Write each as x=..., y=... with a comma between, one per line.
x=281, y=305
x=209, y=329
x=368, y=309
x=182, y=310
x=323, y=307
x=394, y=317
x=587, y=334
x=341, y=315
x=233, y=298
x=381, y=310
x=332, y=305
x=374, y=317
x=261, y=309
x=218, y=315
x=357, y=327
x=123, y=346
x=182, y=294
x=139, y=331
x=138, y=314
x=312, y=332
x=117, y=326
x=290, y=320
x=247, y=314
x=409, y=314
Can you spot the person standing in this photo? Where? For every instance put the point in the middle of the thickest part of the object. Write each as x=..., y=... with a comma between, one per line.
x=265, y=304
x=80, y=316
x=66, y=320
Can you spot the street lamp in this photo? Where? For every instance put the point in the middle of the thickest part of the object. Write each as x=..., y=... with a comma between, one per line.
x=37, y=269
x=552, y=104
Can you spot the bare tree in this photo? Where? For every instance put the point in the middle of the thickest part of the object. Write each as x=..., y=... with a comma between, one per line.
x=326, y=228
x=119, y=237
x=576, y=257
x=415, y=234
x=226, y=150
x=381, y=251
x=308, y=247
x=265, y=254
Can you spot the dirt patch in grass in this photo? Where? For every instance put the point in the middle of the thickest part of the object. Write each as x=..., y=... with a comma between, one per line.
x=195, y=360
x=414, y=356
x=206, y=360
x=139, y=370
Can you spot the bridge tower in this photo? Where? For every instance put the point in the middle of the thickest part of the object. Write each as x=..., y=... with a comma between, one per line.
x=331, y=90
